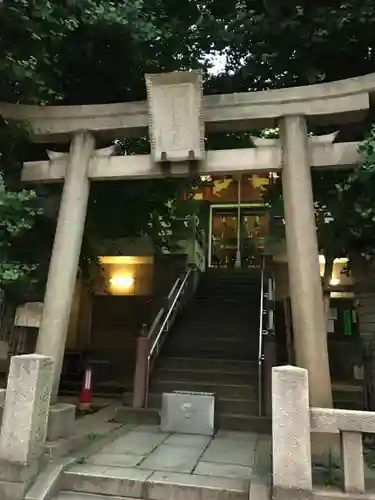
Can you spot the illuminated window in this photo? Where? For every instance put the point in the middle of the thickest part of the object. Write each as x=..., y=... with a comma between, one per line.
x=121, y=282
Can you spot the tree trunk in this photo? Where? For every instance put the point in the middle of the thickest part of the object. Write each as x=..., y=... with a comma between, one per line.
x=328, y=268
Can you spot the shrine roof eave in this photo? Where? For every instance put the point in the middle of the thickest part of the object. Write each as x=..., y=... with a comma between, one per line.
x=327, y=103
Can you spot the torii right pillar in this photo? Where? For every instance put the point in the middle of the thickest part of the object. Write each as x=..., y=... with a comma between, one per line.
x=309, y=320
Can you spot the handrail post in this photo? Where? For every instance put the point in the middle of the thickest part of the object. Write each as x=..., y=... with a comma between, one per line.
x=269, y=362
x=260, y=344
x=141, y=369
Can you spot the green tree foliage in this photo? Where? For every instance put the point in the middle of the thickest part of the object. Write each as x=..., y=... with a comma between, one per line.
x=18, y=210
x=90, y=51
x=344, y=206
x=17, y=213
x=282, y=43
x=357, y=193
x=95, y=51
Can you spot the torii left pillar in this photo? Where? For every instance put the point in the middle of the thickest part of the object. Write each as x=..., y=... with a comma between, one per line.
x=65, y=255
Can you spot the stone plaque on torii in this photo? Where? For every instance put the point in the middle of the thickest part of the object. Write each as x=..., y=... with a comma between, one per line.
x=176, y=123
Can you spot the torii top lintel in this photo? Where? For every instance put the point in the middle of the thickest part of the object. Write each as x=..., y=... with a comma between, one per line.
x=334, y=102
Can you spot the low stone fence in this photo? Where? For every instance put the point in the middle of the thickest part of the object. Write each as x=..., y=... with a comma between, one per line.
x=293, y=421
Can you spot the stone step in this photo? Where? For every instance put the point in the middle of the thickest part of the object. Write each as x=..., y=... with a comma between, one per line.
x=348, y=405
x=115, y=481
x=223, y=342
x=234, y=318
x=126, y=414
x=244, y=331
x=237, y=280
x=350, y=398
x=351, y=395
x=232, y=271
x=248, y=423
x=205, y=376
x=205, y=353
x=237, y=406
x=227, y=296
x=223, y=287
x=244, y=391
x=73, y=495
x=219, y=287
x=226, y=405
x=216, y=313
x=214, y=364
x=238, y=283
x=238, y=277
x=217, y=326
x=224, y=290
x=123, y=482
x=238, y=323
x=227, y=301
x=246, y=302
x=214, y=352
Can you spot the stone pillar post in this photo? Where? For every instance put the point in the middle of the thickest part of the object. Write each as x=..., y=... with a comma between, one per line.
x=24, y=427
x=309, y=321
x=291, y=443
x=65, y=254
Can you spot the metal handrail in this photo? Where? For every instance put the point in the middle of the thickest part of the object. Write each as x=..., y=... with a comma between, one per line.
x=172, y=308
x=260, y=345
x=156, y=322
x=169, y=313
x=161, y=312
x=173, y=289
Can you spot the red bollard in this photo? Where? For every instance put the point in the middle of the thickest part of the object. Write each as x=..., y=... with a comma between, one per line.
x=85, y=400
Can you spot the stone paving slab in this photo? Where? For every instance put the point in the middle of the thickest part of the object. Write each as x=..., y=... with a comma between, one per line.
x=237, y=436
x=73, y=495
x=148, y=428
x=168, y=457
x=162, y=486
x=223, y=470
x=228, y=451
x=136, y=443
x=115, y=459
x=188, y=440
x=104, y=480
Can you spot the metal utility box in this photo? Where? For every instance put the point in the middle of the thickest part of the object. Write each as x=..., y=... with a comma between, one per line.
x=188, y=412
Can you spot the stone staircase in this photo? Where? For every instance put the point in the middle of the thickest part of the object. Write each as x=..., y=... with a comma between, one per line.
x=213, y=347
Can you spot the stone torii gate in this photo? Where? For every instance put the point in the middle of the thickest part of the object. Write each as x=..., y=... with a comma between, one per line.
x=177, y=115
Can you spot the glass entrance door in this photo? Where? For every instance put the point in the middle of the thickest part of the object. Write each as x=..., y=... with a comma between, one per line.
x=232, y=230
x=224, y=227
